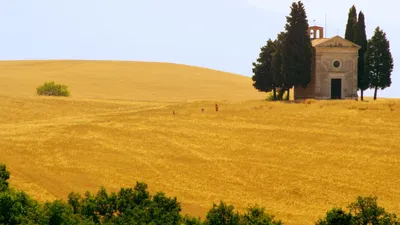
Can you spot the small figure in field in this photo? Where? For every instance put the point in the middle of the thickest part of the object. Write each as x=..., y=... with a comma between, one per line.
x=216, y=107
x=202, y=110
x=173, y=112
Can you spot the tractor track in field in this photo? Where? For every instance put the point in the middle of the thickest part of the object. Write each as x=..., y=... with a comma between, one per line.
x=77, y=119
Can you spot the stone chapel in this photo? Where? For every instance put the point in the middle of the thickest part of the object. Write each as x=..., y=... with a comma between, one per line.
x=334, y=68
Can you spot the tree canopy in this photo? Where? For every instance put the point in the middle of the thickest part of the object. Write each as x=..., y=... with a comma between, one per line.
x=361, y=40
x=365, y=210
x=297, y=48
x=264, y=79
x=378, y=62
x=350, y=33
x=286, y=61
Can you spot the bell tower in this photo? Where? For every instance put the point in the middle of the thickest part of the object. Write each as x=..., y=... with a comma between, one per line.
x=316, y=32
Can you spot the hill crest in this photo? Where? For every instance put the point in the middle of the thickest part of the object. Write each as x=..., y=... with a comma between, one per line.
x=127, y=80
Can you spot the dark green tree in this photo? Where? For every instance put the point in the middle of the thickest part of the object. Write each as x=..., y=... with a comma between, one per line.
x=350, y=33
x=365, y=210
x=4, y=176
x=128, y=206
x=263, y=79
x=378, y=62
x=60, y=213
x=336, y=217
x=164, y=210
x=297, y=49
x=222, y=214
x=189, y=220
x=277, y=64
x=105, y=204
x=89, y=208
x=361, y=40
x=17, y=207
x=256, y=215
x=74, y=200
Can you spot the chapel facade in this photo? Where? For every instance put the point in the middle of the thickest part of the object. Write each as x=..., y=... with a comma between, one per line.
x=334, y=68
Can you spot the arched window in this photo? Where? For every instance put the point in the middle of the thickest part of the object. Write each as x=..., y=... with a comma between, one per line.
x=318, y=34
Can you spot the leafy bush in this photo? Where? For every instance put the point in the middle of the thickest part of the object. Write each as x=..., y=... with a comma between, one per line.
x=337, y=217
x=4, y=176
x=18, y=208
x=257, y=215
x=189, y=220
x=224, y=214
x=58, y=212
x=364, y=210
x=137, y=206
x=52, y=89
x=128, y=206
x=270, y=97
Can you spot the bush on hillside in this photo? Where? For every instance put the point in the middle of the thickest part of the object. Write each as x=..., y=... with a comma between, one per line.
x=52, y=89
x=270, y=97
x=280, y=95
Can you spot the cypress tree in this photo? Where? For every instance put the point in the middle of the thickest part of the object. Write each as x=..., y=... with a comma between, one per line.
x=277, y=60
x=361, y=39
x=263, y=79
x=351, y=25
x=297, y=49
x=379, y=61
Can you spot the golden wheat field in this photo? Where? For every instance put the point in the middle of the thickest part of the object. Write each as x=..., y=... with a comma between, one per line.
x=296, y=159
x=141, y=81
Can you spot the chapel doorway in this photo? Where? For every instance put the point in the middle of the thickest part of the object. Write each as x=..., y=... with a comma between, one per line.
x=336, y=88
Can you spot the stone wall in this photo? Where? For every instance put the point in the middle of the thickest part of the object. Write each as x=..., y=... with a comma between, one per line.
x=323, y=71
x=347, y=71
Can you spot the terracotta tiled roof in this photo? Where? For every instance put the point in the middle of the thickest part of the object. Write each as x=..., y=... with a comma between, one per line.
x=318, y=41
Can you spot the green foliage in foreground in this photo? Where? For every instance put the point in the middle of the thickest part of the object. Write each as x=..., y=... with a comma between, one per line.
x=364, y=210
x=134, y=206
x=4, y=176
x=137, y=206
x=53, y=89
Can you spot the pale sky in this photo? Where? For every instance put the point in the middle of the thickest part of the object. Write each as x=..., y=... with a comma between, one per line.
x=219, y=34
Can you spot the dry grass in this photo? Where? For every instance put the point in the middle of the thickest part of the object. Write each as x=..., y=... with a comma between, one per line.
x=298, y=160
x=126, y=80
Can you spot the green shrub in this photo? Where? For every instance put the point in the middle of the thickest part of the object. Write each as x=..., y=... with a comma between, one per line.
x=258, y=216
x=137, y=206
x=270, y=97
x=189, y=220
x=336, y=216
x=222, y=214
x=4, y=176
x=58, y=212
x=16, y=207
x=52, y=89
x=364, y=210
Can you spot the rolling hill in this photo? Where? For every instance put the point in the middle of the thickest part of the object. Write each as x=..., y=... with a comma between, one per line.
x=296, y=159
x=142, y=81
